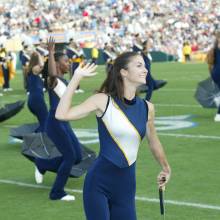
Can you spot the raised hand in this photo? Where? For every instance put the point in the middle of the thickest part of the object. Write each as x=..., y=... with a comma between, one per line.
x=51, y=45
x=85, y=71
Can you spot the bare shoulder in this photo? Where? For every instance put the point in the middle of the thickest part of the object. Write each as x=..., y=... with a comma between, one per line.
x=101, y=96
x=151, y=110
x=100, y=100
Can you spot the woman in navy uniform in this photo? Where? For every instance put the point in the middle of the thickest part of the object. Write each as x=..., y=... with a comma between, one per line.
x=213, y=59
x=59, y=132
x=109, y=188
x=151, y=83
x=24, y=60
x=35, y=85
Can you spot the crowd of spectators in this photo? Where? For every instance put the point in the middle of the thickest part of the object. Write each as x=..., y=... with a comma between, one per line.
x=169, y=23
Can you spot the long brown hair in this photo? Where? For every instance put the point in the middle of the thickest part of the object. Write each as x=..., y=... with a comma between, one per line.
x=50, y=81
x=113, y=84
x=212, y=53
x=34, y=61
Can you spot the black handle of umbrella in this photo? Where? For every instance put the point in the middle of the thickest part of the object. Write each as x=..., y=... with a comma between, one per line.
x=162, y=210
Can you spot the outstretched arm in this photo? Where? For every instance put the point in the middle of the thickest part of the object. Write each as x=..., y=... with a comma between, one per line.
x=52, y=71
x=157, y=149
x=64, y=110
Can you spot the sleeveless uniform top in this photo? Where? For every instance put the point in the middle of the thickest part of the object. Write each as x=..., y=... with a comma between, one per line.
x=54, y=98
x=121, y=129
x=35, y=85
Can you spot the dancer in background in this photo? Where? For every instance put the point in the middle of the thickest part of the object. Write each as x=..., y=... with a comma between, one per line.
x=144, y=49
x=58, y=131
x=24, y=60
x=35, y=85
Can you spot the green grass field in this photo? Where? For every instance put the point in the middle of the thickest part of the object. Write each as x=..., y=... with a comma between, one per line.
x=193, y=152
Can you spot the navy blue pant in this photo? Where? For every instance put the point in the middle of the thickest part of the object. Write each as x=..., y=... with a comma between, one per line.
x=38, y=107
x=6, y=77
x=68, y=145
x=109, y=191
x=216, y=78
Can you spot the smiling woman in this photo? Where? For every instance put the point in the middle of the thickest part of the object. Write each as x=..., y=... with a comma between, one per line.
x=123, y=120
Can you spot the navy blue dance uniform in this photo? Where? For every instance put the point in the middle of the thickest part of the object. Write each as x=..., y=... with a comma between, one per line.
x=150, y=82
x=36, y=102
x=216, y=70
x=62, y=135
x=110, y=185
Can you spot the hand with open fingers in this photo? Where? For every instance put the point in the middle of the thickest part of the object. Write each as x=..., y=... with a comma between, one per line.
x=51, y=45
x=163, y=178
x=85, y=71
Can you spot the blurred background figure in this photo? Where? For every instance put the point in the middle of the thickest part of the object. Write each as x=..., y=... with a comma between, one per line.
x=76, y=57
x=7, y=70
x=24, y=60
x=108, y=55
x=95, y=54
x=35, y=85
x=187, y=52
x=213, y=59
x=41, y=47
x=144, y=49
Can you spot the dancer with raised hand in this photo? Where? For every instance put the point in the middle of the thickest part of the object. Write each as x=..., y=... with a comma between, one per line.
x=58, y=131
x=123, y=121
x=35, y=85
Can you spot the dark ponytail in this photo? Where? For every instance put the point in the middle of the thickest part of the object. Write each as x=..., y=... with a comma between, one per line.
x=50, y=81
x=113, y=84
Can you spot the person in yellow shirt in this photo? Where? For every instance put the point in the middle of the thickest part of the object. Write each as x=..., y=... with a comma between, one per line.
x=94, y=54
x=6, y=69
x=187, y=51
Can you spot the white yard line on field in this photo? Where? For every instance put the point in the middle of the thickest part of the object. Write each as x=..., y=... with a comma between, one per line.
x=196, y=136
x=178, y=90
x=177, y=105
x=138, y=198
